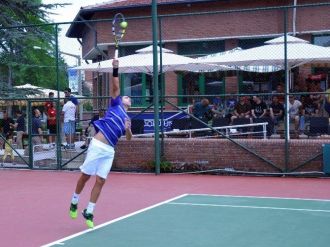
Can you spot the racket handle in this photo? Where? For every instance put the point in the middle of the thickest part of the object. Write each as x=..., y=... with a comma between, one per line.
x=116, y=53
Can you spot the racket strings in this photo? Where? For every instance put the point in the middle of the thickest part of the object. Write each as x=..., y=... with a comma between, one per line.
x=118, y=31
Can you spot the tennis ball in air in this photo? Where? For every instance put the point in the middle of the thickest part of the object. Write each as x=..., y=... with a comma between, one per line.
x=123, y=24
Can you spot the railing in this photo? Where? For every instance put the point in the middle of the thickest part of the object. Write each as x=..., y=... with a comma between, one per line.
x=230, y=130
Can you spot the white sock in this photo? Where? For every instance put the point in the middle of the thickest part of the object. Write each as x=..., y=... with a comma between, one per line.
x=75, y=198
x=90, y=208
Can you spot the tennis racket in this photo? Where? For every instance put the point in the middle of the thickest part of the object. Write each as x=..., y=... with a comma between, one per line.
x=119, y=26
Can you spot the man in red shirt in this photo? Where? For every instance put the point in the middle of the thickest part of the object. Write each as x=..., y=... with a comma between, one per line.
x=51, y=118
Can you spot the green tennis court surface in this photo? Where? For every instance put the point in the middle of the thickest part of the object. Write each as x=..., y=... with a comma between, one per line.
x=207, y=221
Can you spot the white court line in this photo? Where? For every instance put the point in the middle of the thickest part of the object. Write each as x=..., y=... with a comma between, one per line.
x=254, y=207
x=60, y=242
x=263, y=197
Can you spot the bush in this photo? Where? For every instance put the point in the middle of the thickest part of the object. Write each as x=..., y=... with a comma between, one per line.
x=165, y=166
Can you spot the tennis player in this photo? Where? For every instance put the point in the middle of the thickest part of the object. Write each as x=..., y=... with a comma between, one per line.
x=100, y=153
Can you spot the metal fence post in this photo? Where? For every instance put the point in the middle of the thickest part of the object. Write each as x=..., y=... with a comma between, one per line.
x=155, y=81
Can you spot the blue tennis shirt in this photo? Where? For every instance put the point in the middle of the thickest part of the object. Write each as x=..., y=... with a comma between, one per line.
x=112, y=125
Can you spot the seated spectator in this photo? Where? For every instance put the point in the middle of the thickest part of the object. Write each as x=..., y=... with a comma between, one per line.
x=242, y=109
x=327, y=101
x=297, y=90
x=276, y=110
x=259, y=108
x=309, y=109
x=196, y=98
x=294, y=112
x=218, y=107
x=315, y=95
x=203, y=110
x=230, y=107
x=280, y=93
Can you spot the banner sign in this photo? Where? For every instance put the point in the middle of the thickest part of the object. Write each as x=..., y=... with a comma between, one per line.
x=73, y=78
x=149, y=122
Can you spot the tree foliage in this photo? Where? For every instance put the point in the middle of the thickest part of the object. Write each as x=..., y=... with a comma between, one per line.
x=27, y=44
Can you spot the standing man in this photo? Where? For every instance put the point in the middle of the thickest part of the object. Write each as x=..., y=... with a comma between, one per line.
x=51, y=123
x=51, y=117
x=7, y=124
x=101, y=152
x=20, y=128
x=6, y=127
x=74, y=100
x=69, y=111
x=68, y=94
x=36, y=129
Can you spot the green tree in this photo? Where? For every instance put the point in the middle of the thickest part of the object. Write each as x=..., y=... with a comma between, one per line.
x=27, y=45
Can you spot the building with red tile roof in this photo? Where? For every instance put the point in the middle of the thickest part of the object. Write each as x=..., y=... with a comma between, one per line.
x=196, y=28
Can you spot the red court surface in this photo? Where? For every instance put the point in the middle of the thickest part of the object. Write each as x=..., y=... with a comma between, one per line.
x=34, y=204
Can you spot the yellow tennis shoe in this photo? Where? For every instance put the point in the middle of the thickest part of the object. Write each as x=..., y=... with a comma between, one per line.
x=73, y=211
x=89, y=218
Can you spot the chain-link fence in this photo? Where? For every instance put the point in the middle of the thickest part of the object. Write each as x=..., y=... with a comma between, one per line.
x=261, y=108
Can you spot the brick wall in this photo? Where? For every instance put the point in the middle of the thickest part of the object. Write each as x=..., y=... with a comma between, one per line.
x=138, y=154
x=231, y=84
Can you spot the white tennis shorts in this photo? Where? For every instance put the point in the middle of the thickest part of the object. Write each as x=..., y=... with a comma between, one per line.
x=99, y=159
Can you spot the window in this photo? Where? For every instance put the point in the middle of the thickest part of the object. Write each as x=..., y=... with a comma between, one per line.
x=137, y=84
x=251, y=43
x=188, y=85
x=129, y=50
x=196, y=83
x=132, y=85
x=323, y=40
x=260, y=83
x=201, y=48
x=200, y=84
x=214, y=84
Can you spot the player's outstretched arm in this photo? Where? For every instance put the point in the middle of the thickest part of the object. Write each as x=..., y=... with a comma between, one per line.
x=115, y=89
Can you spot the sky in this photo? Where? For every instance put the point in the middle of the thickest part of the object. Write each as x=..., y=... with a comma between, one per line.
x=67, y=14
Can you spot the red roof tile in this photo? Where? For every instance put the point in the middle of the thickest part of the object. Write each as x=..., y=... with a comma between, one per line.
x=75, y=30
x=131, y=3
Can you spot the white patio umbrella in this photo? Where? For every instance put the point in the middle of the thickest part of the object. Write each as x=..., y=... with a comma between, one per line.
x=44, y=91
x=299, y=52
x=149, y=49
x=257, y=69
x=142, y=62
